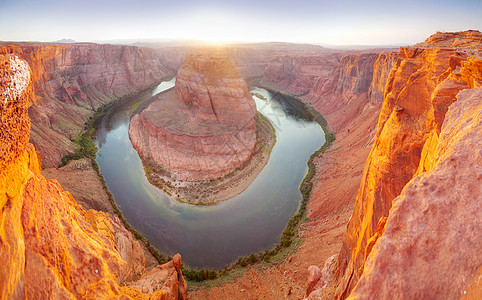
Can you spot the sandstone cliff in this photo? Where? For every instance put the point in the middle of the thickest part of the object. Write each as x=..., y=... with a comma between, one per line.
x=71, y=81
x=421, y=87
x=206, y=128
x=354, y=75
x=51, y=247
x=434, y=224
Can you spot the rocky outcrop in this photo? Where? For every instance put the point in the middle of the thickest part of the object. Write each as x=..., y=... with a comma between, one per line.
x=70, y=81
x=50, y=246
x=74, y=177
x=421, y=86
x=165, y=276
x=204, y=129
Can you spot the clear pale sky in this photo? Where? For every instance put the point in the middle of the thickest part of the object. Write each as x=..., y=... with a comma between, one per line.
x=338, y=22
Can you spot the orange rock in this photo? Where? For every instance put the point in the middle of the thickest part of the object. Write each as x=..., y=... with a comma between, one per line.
x=163, y=282
x=130, y=251
x=434, y=225
x=314, y=275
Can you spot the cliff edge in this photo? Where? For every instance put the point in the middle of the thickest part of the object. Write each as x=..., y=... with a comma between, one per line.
x=405, y=197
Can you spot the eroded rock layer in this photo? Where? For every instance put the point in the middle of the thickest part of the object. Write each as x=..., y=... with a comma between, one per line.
x=49, y=246
x=421, y=87
x=204, y=129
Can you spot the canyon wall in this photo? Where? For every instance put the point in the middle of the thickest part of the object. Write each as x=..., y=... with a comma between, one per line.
x=434, y=224
x=297, y=71
x=206, y=128
x=50, y=246
x=355, y=75
x=70, y=81
x=421, y=87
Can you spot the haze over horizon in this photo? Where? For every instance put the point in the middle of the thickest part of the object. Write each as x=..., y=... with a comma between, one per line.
x=372, y=22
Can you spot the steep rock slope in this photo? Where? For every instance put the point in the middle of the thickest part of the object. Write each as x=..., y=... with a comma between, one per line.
x=49, y=245
x=434, y=224
x=422, y=85
x=71, y=81
x=206, y=128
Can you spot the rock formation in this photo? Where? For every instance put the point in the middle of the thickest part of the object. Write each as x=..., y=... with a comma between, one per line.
x=70, y=81
x=421, y=87
x=50, y=246
x=204, y=129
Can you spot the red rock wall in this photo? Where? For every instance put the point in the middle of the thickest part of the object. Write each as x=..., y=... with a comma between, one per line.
x=71, y=81
x=356, y=74
x=421, y=86
x=47, y=247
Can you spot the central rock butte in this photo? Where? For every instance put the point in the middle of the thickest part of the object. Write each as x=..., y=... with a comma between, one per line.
x=205, y=128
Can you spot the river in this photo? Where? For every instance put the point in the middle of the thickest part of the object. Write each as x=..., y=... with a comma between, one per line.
x=211, y=236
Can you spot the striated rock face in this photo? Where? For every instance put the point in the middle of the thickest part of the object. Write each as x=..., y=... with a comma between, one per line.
x=356, y=74
x=296, y=71
x=421, y=86
x=71, y=81
x=206, y=128
x=49, y=246
x=434, y=224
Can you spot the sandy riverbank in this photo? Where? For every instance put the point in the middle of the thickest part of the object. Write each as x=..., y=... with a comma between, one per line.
x=220, y=189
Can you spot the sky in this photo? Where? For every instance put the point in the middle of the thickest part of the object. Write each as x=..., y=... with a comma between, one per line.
x=333, y=22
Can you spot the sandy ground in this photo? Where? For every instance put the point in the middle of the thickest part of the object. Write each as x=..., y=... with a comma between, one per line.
x=215, y=191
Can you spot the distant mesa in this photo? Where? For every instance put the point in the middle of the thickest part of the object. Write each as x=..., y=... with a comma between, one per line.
x=203, y=129
x=64, y=41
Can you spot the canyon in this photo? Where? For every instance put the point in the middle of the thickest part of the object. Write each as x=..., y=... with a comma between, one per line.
x=395, y=199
